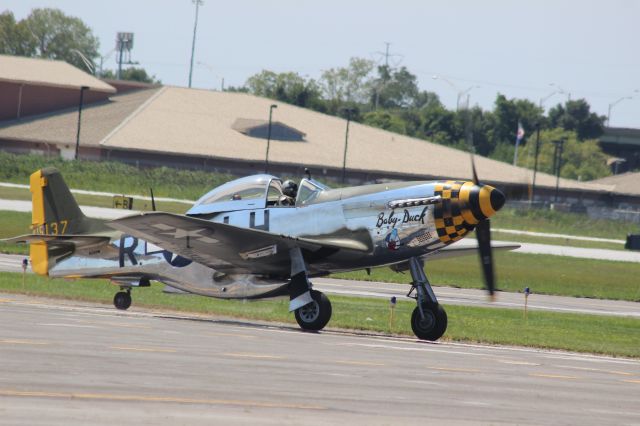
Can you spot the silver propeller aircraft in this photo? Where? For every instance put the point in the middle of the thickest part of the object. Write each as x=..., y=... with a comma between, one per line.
x=256, y=237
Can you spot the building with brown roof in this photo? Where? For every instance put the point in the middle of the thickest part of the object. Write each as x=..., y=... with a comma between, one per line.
x=225, y=131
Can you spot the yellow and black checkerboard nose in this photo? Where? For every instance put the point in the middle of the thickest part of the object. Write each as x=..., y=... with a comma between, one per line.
x=463, y=205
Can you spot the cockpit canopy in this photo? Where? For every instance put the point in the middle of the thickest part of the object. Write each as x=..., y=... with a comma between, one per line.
x=254, y=192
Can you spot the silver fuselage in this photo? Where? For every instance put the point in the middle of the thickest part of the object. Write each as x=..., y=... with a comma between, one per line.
x=394, y=234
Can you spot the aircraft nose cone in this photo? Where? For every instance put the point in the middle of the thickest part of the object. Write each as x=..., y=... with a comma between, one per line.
x=497, y=199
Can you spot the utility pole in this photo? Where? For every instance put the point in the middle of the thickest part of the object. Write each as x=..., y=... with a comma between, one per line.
x=82, y=89
x=198, y=3
x=535, y=161
x=557, y=162
x=349, y=111
x=266, y=159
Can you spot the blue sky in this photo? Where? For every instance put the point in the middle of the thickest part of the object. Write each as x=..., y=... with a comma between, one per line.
x=587, y=48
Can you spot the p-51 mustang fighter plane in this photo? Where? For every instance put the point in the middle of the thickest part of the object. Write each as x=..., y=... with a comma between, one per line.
x=256, y=237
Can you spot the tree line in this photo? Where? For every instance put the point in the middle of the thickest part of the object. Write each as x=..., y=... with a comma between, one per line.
x=377, y=95
x=50, y=34
x=390, y=98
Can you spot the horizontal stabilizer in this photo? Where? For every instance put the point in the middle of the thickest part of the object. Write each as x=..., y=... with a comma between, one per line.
x=77, y=240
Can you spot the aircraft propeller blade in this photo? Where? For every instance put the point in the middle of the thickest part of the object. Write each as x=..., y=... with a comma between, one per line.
x=483, y=233
x=153, y=200
x=476, y=181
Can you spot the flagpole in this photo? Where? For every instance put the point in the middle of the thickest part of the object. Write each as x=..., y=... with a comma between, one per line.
x=519, y=136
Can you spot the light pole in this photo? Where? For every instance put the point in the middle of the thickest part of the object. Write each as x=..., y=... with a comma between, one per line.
x=465, y=92
x=459, y=93
x=82, y=89
x=557, y=163
x=535, y=161
x=198, y=3
x=349, y=111
x=266, y=160
x=212, y=71
x=611, y=105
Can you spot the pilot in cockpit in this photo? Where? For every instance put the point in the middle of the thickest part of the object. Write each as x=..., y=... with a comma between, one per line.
x=289, y=191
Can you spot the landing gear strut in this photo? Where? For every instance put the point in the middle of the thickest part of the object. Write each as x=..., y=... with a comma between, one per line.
x=122, y=299
x=429, y=319
x=311, y=308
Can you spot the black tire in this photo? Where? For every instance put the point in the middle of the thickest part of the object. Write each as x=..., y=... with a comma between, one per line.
x=433, y=326
x=122, y=300
x=315, y=315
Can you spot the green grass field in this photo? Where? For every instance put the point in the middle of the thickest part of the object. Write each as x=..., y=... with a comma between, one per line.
x=544, y=274
x=541, y=273
x=554, y=222
x=584, y=333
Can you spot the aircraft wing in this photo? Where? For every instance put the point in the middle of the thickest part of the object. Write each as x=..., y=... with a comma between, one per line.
x=224, y=247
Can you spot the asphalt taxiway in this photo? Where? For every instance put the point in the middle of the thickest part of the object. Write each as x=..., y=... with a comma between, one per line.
x=79, y=363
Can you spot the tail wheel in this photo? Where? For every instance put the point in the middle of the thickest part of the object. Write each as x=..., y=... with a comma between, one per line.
x=314, y=316
x=433, y=325
x=122, y=300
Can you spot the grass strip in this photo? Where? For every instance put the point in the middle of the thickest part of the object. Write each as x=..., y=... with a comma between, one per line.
x=575, y=332
x=565, y=242
x=543, y=274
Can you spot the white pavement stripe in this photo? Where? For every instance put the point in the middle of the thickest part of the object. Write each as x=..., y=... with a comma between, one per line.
x=583, y=253
x=95, y=212
x=565, y=236
x=104, y=194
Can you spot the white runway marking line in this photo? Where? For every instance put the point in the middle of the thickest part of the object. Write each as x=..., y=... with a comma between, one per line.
x=149, y=398
x=361, y=363
x=554, y=376
x=22, y=342
x=599, y=370
x=251, y=355
x=55, y=324
x=143, y=349
x=242, y=336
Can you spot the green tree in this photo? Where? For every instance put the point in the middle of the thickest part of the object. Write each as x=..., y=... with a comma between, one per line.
x=49, y=33
x=506, y=115
x=15, y=38
x=576, y=115
x=385, y=120
x=133, y=74
x=350, y=84
x=395, y=88
x=286, y=87
x=581, y=160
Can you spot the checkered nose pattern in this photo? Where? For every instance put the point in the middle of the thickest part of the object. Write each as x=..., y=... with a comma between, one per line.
x=463, y=206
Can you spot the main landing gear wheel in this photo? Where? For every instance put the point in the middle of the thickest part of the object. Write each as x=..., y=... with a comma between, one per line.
x=122, y=300
x=315, y=315
x=434, y=323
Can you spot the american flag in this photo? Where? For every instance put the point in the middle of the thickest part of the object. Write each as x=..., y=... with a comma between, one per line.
x=520, y=133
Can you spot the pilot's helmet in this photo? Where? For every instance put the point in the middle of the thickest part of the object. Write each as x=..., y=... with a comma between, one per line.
x=290, y=188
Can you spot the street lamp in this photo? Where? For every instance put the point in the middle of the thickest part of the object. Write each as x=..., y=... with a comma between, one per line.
x=616, y=103
x=465, y=92
x=266, y=160
x=82, y=89
x=460, y=93
x=212, y=71
x=349, y=111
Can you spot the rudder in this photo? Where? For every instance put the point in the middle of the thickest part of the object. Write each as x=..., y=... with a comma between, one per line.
x=54, y=212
